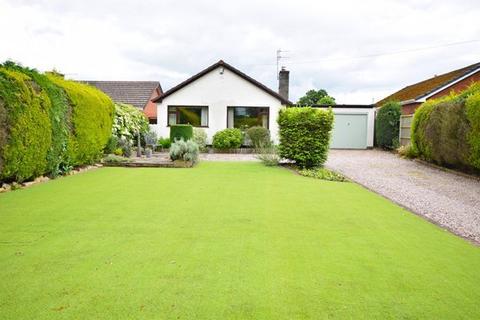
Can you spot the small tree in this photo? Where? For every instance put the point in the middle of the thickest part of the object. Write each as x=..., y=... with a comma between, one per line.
x=387, y=125
x=327, y=100
x=312, y=97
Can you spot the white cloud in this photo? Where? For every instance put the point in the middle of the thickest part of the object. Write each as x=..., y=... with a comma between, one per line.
x=171, y=40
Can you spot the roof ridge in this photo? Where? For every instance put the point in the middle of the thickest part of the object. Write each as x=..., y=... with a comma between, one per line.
x=212, y=67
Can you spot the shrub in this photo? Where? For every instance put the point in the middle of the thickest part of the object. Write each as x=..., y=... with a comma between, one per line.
x=3, y=130
x=164, y=142
x=112, y=145
x=184, y=150
x=113, y=158
x=59, y=111
x=268, y=154
x=447, y=131
x=420, y=145
x=305, y=135
x=26, y=133
x=150, y=138
x=472, y=106
x=259, y=136
x=387, y=125
x=128, y=121
x=92, y=119
x=48, y=124
x=200, y=138
x=227, y=139
x=322, y=173
x=407, y=151
x=118, y=152
x=181, y=131
x=126, y=146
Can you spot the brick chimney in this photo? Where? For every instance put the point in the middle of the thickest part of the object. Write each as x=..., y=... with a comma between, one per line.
x=283, y=82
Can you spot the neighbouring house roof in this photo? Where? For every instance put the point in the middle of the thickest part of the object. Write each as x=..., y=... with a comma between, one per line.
x=136, y=93
x=427, y=87
x=214, y=66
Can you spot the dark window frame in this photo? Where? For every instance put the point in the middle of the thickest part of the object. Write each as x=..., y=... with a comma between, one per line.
x=176, y=112
x=256, y=107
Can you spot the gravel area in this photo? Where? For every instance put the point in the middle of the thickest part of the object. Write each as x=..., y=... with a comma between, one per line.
x=447, y=199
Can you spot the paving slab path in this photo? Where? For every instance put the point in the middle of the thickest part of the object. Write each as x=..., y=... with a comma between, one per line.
x=447, y=199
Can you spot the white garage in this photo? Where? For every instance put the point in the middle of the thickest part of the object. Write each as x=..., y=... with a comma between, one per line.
x=353, y=126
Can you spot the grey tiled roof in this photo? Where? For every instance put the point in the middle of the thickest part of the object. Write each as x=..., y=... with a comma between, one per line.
x=136, y=93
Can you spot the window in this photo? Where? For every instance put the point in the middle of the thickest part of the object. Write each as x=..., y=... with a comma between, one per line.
x=247, y=117
x=197, y=116
x=152, y=120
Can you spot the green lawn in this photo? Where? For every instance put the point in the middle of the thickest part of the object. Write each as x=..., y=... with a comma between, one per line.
x=225, y=241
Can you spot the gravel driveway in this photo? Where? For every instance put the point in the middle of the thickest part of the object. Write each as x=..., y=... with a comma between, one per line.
x=451, y=201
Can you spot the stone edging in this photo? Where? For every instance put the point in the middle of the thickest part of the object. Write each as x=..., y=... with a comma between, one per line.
x=6, y=187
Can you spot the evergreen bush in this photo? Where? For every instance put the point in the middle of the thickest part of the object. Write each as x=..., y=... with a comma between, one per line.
x=387, y=125
x=26, y=134
x=58, y=161
x=92, y=119
x=447, y=130
x=305, y=135
x=181, y=131
x=48, y=124
x=230, y=138
x=259, y=136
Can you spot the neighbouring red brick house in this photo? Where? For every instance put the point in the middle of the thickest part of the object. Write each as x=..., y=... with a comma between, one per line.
x=411, y=97
x=137, y=93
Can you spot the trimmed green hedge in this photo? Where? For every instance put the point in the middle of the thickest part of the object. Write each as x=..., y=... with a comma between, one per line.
x=305, y=135
x=44, y=129
x=92, y=119
x=387, y=125
x=181, y=131
x=230, y=138
x=472, y=106
x=58, y=160
x=447, y=131
x=26, y=133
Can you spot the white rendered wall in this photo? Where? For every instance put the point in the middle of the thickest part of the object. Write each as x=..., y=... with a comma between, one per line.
x=218, y=91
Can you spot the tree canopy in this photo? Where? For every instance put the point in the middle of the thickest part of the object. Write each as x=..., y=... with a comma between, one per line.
x=315, y=97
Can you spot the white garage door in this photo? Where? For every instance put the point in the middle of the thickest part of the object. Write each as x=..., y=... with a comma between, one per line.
x=350, y=131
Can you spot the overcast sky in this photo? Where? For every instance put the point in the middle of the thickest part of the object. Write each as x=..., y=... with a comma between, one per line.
x=356, y=50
